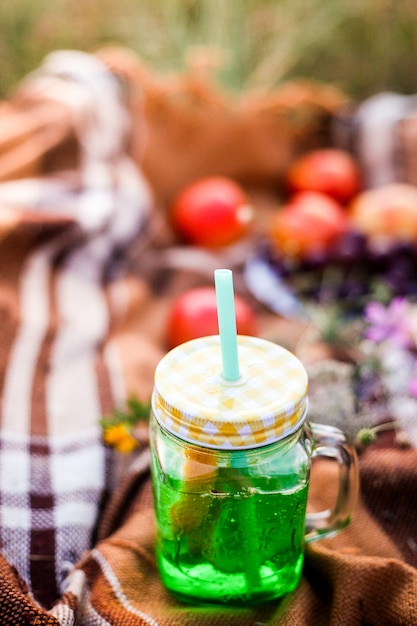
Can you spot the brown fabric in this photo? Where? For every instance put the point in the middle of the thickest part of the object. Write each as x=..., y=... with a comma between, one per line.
x=29, y=133
x=79, y=325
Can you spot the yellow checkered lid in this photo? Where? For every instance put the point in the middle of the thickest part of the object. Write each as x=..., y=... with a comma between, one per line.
x=193, y=401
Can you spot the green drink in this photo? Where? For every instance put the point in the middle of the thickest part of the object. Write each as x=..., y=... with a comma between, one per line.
x=231, y=466
x=234, y=543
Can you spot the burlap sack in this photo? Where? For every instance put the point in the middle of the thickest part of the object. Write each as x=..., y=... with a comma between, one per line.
x=194, y=128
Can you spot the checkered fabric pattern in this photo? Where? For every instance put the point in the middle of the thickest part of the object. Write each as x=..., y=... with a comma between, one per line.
x=194, y=402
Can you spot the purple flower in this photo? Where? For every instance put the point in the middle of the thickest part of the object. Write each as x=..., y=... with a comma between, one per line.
x=389, y=323
x=412, y=387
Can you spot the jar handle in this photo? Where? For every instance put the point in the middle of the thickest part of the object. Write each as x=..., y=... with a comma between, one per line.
x=331, y=442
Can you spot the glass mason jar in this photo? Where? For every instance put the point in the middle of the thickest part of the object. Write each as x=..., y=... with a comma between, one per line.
x=231, y=469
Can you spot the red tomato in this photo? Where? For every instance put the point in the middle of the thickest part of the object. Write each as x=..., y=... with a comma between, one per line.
x=330, y=171
x=212, y=212
x=310, y=223
x=194, y=314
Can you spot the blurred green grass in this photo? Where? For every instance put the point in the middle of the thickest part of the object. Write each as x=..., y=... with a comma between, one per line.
x=361, y=46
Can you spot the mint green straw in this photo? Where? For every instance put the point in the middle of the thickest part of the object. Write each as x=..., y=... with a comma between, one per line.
x=223, y=280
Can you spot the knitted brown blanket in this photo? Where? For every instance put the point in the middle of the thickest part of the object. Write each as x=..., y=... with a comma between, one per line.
x=82, y=330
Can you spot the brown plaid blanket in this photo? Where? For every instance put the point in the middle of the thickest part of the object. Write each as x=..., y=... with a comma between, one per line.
x=81, y=331
x=60, y=236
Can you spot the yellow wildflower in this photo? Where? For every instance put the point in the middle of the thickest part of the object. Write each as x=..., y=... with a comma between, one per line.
x=120, y=437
